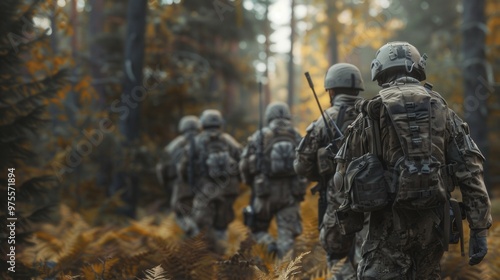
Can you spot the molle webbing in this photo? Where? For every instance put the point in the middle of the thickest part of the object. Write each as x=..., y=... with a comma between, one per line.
x=410, y=115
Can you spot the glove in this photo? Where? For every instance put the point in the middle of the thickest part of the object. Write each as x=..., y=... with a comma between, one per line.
x=478, y=247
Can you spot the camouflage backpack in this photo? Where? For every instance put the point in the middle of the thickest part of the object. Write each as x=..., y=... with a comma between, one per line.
x=216, y=160
x=419, y=117
x=345, y=116
x=280, y=152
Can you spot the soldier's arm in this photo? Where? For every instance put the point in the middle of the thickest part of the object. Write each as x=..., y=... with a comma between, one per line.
x=182, y=165
x=305, y=163
x=235, y=148
x=245, y=162
x=468, y=174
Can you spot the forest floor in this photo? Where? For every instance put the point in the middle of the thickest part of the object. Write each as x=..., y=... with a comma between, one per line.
x=155, y=245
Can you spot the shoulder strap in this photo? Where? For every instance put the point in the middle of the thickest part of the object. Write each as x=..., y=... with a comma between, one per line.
x=377, y=144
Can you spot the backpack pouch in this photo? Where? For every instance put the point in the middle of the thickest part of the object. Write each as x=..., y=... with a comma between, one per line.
x=366, y=184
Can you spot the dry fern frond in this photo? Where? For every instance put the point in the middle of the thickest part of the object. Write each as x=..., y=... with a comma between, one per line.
x=72, y=258
x=155, y=273
x=293, y=268
x=130, y=266
x=100, y=269
x=168, y=228
x=236, y=268
x=189, y=259
x=314, y=263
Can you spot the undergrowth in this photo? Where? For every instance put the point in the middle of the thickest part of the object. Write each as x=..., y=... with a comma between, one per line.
x=154, y=247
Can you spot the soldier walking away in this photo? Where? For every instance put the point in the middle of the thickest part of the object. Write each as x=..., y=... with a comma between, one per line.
x=210, y=167
x=343, y=82
x=401, y=159
x=267, y=166
x=179, y=193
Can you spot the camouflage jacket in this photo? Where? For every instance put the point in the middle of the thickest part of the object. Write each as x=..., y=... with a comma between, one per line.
x=170, y=156
x=306, y=161
x=452, y=146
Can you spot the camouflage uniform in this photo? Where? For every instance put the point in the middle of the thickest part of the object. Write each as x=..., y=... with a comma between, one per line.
x=214, y=193
x=315, y=164
x=405, y=243
x=278, y=197
x=179, y=194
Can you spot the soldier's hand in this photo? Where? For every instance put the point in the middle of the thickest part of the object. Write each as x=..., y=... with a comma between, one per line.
x=478, y=246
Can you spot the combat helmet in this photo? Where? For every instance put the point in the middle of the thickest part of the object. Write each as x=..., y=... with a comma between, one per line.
x=344, y=75
x=277, y=110
x=211, y=118
x=189, y=123
x=401, y=57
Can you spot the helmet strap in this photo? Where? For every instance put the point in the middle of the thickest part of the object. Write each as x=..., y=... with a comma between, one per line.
x=410, y=68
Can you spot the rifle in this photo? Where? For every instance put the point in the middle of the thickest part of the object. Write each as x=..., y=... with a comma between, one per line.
x=321, y=186
x=328, y=128
x=248, y=211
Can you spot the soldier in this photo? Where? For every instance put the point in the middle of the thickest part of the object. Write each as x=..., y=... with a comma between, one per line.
x=179, y=194
x=267, y=166
x=211, y=168
x=343, y=82
x=395, y=165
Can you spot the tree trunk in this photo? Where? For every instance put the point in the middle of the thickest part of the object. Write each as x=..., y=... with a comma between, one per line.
x=291, y=85
x=134, y=59
x=133, y=92
x=267, y=31
x=476, y=88
x=333, y=56
x=96, y=52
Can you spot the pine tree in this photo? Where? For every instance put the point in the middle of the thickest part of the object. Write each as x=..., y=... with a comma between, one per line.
x=22, y=99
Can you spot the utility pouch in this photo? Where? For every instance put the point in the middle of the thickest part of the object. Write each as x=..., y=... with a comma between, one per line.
x=261, y=186
x=420, y=185
x=366, y=184
x=349, y=221
x=325, y=162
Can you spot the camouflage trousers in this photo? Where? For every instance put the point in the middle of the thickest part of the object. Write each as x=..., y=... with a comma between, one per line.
x=414, y=252
x=287, y=219
x=212, y=215
x=339, y=247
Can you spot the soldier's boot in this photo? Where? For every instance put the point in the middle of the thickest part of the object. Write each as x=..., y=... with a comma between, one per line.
x=263, y=237
x=220, y=241
x=188, y=225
